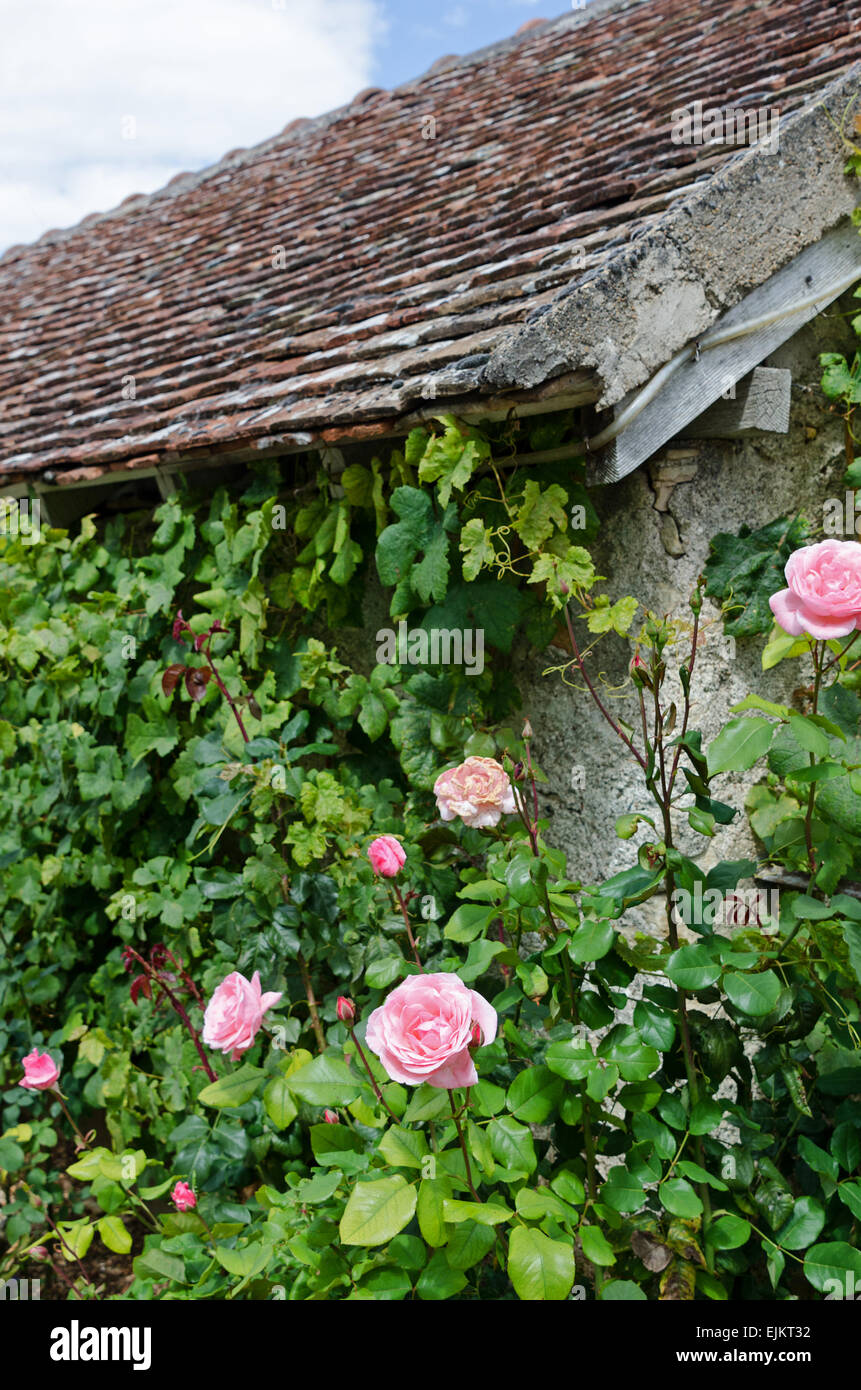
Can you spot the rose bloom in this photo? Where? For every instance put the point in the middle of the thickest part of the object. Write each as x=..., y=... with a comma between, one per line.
x=40, y=1071
x=824, y=594
x=478, y=791
x=183, y=1197
x=387, y=855
x=424, y=1029
x=234, y=1014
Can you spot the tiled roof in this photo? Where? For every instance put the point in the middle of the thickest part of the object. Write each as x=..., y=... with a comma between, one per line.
x=355, y=267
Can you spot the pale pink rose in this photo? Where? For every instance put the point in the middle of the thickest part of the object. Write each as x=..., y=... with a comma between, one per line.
x=478, y=791
x=424, y=1030
x=183, y=1197
x=387, y=855
x=824, y=594
x=234, y=1014
x=40, y=1071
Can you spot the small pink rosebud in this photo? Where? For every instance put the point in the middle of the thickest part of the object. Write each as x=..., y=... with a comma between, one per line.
x=527, y=730
x=476, y=1037
x=39, y=1252
x=330, y=1117
x=387, y=856
x=346, y=1010
x=183, y=1197
x=40, y=1071
x=517, y=774
x=563, y=587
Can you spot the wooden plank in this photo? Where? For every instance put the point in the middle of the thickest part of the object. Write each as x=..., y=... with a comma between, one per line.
x=761, y=402
x=702, y=376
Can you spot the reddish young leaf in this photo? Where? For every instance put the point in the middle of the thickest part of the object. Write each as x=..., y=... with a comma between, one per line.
x=140, y=986
x=170, y=679
x=196, y=678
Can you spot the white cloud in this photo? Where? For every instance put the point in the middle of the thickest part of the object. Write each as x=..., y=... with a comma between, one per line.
x=188, y=80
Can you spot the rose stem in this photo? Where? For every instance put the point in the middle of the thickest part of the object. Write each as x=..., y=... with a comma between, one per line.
x=457, y=1126
x=312, y=1003
x=595, y=696
x=177, y=1008
x=82, y=1144
x=377, y=1092
x=55, y=1228
x=223, y=688
x=818, y=656
x=400, y=898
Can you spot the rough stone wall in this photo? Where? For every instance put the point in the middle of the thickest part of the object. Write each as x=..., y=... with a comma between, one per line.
x=653, y=543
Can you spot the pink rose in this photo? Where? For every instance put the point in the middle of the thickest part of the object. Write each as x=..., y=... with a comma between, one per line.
x=387, y=855
x=478, y=791
x=424, y=1030
x=824, y=594
x=40, y=1071
x=234, y=1014
x=183, y=1197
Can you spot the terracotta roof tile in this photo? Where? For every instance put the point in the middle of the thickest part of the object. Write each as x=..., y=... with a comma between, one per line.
x=361, y=264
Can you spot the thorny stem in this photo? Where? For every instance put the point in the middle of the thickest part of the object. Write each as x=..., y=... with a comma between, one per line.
x=456, y=1117
x=595, y=696
x=59, y=1234
x=312, y=1002
x=840, y=655
x=82, y=1143
x=377, y=1092
x=687, y=710
x=177, y=1008
x=225, y=692
x=589, y=1145
x=818, y=653
x=406, y=917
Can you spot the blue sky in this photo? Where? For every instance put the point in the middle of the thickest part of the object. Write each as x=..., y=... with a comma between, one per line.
x=418, y=32
x=101, y=99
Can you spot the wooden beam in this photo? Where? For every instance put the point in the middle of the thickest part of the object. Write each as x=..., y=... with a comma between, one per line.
x=760, y=402
x=699, y=380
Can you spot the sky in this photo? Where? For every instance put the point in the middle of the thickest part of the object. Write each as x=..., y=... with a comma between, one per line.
x=100, y=99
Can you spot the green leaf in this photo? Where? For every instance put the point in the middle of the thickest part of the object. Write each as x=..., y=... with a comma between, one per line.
x=743, y=571
x=623, y=1192
x=741, y=743
x=755, y=994
x=595, y=1246
x=233, y=1090
x=157, y=1264
x=403, y=1148
x=512, y=1144
x=540, y=513
x=621, y=1291
x=803, y=1226
x=540, y=1269
x=846, y=1146
x=832, y=1261
x=692, y=967
x=678, y=1197
x=469, y=921
x=485, y=1213
x=534, y=1094
x=278, y=1102
x=591, y=941
x=245, y=1262
x=469, y=1244
x=376, y=1211
x=114, y=1235
x=327, y=1080
x=729, y=1233
x=430, y=1209
x=439, y=1281
x=817, y=1159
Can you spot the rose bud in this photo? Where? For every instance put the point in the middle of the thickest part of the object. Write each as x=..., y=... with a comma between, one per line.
x=39, y=1252
x=346, y=1010
x=183, y=1197
x=527, y=729
x=476, y=1037
x=330, y=1117
x=387, y=856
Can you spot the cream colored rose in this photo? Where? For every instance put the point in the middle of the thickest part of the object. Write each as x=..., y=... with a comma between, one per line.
x=478, y=791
